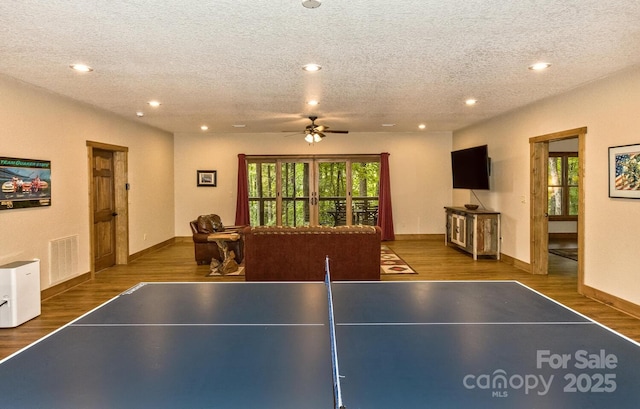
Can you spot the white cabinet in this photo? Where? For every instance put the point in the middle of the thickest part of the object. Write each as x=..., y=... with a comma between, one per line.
x=474, y=231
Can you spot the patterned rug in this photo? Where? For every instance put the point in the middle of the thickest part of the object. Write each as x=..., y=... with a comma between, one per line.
x=566, y=253
x=390, y=263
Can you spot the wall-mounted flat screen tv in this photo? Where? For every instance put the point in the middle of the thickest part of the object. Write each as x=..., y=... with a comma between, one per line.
x=470, y=168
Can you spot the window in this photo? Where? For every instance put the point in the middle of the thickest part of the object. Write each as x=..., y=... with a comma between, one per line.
x=563, y=186
x=318, y=190
x=262, y=193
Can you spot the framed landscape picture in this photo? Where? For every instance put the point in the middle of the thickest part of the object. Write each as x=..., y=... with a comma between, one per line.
x=624, y=171
x=25, y=183
x=207, y=178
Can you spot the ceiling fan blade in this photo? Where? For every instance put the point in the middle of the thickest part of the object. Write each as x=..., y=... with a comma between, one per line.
x=332, y=131
x=290, y=133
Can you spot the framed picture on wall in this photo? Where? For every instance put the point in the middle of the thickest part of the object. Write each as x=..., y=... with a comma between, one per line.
x=207, y=178
x=25, y=183
x=624, y=171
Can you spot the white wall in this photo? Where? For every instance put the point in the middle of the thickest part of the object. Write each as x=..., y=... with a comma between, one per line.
x=609, y=109
x=40, y=125
x=420, y=170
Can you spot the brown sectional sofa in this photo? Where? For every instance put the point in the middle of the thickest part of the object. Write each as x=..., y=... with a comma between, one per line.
x=298, y=253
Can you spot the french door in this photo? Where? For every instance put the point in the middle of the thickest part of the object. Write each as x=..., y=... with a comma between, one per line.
x=331, y=188
x=303, y=191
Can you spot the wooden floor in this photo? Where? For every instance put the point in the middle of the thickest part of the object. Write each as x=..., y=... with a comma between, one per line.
x=429, y=257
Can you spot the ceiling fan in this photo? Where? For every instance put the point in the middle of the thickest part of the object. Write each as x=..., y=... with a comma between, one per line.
x=315, y=133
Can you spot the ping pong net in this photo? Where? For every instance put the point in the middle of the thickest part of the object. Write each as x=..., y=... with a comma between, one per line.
x=337, y=391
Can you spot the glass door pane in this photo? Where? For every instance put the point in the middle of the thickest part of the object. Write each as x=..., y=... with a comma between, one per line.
x=365, y=177
x=333, y=208
x=262, y=193
x=295, y=178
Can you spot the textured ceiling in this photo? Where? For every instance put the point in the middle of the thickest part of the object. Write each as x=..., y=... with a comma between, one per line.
x=228, y=62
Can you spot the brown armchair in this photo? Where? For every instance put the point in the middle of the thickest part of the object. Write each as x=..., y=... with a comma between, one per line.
x=206, y=250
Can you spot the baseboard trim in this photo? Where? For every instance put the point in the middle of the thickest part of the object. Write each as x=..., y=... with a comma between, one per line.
x=64, y=286
x=612, y=301
x=521, y=265
x=151, y=249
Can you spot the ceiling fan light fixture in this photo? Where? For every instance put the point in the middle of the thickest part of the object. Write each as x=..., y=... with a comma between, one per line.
x=312, y=67
x=317, y=137
x=309, y=138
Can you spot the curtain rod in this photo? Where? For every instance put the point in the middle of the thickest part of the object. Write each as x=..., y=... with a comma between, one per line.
x=322, y=156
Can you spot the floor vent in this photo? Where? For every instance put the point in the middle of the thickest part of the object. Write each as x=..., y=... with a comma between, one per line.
x=63, y=256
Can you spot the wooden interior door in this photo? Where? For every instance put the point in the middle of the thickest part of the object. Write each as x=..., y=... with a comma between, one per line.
x=104, y=210
x=539, y=209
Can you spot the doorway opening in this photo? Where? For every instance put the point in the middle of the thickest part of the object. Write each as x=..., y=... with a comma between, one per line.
x=545, y=195
x=563, y=193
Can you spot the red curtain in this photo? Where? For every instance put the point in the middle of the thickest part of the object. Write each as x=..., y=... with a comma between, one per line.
x=385, y=216
x=242, y=203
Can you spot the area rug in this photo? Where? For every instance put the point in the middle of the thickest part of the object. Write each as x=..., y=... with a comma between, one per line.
x=566, y=253
x=239, y=272
x=390, y=263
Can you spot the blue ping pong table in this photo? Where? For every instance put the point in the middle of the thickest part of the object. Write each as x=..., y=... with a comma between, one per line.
x=481, y=344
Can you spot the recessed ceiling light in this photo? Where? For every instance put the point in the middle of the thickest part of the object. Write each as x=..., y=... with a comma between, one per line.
x=239, y=125
x=81, y=67
x=471, y=101
x=311, y=4
x=139, y=114
x=204, y=127
x=313, y=102
x=539, y=66
x=422, y=126
x=154, y=104
x=311, y=67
